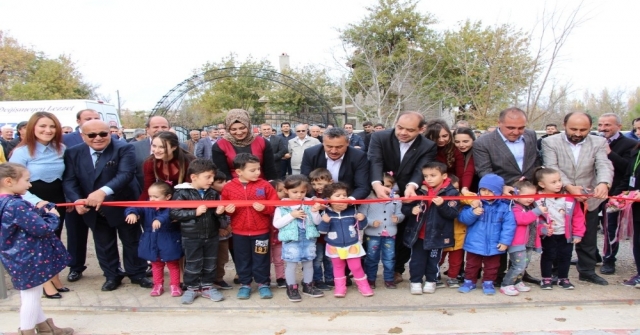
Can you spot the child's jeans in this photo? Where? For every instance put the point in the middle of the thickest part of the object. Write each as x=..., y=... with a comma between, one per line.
x=380, y=247
x=223, y=259
x=201, y=259
x=157, y=269
x=321, y=261
x=475, y=262
x=424, y=263
x=252, y=258
x=455, y=262
x=276, y=259
x=518, y=261
x=556, y=249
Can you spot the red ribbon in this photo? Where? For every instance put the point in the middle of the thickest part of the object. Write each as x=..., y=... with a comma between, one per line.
x=249, y=203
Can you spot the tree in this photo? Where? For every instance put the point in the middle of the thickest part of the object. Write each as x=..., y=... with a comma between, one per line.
x=234, y=86
x=26, y=74
x=388, y=60
x=482, y=69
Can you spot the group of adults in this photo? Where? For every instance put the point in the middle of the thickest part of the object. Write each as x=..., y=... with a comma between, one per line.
x=89, y=166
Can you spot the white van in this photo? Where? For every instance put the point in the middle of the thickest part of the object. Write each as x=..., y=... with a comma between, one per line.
x=13, y=112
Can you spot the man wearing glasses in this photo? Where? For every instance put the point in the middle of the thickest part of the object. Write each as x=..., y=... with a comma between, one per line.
x=99, y=170
x=298, y=145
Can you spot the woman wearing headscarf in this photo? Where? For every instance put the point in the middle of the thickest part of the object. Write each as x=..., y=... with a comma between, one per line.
x=240, y=139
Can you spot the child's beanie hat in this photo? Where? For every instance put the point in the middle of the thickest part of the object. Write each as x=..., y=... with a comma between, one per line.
x=492, y=182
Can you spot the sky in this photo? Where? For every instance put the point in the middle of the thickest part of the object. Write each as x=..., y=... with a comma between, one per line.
x=144, y=48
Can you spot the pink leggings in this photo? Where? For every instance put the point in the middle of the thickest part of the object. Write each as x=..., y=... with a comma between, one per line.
x=157, y=269
x=355, y=265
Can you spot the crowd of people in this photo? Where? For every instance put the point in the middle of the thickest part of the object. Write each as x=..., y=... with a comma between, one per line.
x=563, y=182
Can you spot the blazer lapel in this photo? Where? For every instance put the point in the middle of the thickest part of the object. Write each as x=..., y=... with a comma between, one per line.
x=584, y=151
x=408, y=155
x=504, y=150
x=102, y=162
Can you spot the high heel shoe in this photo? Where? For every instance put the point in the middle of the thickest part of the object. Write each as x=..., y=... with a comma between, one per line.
x=51, y=296
x=63, y=289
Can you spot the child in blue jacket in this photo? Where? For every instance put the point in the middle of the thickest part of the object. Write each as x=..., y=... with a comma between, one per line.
x=161, y=241
x=491, y=227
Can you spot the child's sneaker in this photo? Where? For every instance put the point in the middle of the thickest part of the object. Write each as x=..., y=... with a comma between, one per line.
x=467, y=286
x=453, y=283
x=429, y=287
x=546, y=284
x=390, y=285
x=488, y=289
x=281, y=283
x=222, y=285
x=372, y=284
x=244, y=292
x=293, y=294
x=265, y=292
x=189, y=296
x=565, y=284
x=311, y=290
x=176, y=291
x=236, y=280
x=521, y=287
x=213, y=294
x=509, y=290
x=440, y=284
x=416, y=288
x=157, y=290
x=635, y=280
x=330, y=283
x=322, y=286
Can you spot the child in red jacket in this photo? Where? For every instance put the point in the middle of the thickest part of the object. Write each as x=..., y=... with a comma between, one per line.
x=250, y=225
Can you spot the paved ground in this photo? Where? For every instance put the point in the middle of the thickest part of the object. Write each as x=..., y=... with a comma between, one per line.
x=130, y=310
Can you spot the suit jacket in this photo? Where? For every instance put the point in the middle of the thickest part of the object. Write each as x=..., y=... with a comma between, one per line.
x=384, y=156
x=203, y=148
x=142, y=150
x=279, y=146
x=491, y=155
x=593, y=165
x=114, y=169
x=72, y=139
x=357, y=141
x=354, y=170
x=620, y=157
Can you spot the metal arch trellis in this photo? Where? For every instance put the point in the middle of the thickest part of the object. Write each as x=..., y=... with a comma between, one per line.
x=163, y=107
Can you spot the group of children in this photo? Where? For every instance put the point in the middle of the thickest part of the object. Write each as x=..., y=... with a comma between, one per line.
x=324, y=233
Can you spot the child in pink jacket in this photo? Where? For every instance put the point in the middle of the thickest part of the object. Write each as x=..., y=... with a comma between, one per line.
x=524, y=240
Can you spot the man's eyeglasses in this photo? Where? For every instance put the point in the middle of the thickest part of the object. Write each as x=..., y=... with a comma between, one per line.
x=103, y=134
x=66, y=132
x=301, y=131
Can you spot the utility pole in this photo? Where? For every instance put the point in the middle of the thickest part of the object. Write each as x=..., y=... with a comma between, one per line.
x=118, y=95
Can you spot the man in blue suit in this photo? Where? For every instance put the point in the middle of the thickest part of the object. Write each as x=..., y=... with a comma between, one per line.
x=77, y=230
x=354, y=140
x=101, y=170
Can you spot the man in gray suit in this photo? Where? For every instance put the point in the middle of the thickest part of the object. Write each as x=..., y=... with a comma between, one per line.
x=584, y=166
x=203, y=148
x=511, y=153
x=279, y=145
x=154, y=125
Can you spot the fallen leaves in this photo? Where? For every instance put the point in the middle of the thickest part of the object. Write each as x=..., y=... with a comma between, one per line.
x=334, y=316
x=395, y=330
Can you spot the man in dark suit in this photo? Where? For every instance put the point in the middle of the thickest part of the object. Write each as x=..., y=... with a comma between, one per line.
x=354, y=140
x=315, y=132
x=404, y=151
x=346, y=164
x=619, y=153
x=101, y=170
x=203, y=148
x=77, y=230
x=511, y=152
x=154, y=125
x=278, y=145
